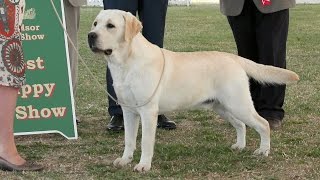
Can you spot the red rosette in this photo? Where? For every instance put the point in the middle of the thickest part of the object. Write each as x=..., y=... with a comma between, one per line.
x=266, y=2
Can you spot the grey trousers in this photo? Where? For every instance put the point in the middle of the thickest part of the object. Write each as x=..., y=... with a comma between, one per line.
x=72, y=15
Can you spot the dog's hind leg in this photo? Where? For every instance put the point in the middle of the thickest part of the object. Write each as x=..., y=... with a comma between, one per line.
x=241, y=107
x=149, y=125
x=238, y=125
x=131, y=126
x=250, y=117
x=264, y=128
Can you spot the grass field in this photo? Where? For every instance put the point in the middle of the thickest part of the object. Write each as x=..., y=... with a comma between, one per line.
x=200, y=147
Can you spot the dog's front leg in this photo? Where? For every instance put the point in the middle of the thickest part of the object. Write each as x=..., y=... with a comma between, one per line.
x=131, y=125
x=149, y=125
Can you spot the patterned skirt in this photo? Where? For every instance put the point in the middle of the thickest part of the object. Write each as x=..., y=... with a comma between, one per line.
x=12, y=65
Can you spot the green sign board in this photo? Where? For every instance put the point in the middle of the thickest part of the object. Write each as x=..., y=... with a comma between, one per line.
x=45, y=103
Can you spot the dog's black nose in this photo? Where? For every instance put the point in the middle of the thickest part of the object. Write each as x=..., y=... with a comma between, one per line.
x=91, y=40
x=92, y=36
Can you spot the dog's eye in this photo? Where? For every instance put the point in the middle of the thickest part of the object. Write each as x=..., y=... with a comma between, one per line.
x=110, y=26
x=95, y=23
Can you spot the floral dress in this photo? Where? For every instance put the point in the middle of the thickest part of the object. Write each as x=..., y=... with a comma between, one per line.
x=12, y=66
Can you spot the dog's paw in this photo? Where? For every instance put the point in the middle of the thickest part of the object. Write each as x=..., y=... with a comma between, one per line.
x=262, y=151
x=120, y=162
x=142, y=167
x=238, y=146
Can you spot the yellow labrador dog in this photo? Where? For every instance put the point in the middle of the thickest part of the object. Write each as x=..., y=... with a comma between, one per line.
x=150, y=80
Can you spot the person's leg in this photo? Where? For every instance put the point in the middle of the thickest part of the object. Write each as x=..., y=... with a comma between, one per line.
x=114, y=110
x=243, y=28
x=124, y=5
x=153, y=34
x=152, y=14
x=8, y=150
x=72, y=15
x=10, y=159
x=72, y=25
x=263, y=42
x=272, y=32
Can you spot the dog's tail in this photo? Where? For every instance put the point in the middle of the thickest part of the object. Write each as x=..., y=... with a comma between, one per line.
x=266, y=74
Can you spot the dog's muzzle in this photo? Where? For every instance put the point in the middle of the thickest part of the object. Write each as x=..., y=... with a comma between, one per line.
x=92, y=37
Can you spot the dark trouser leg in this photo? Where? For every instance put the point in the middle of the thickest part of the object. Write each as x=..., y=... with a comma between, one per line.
x=126, y=5
x=262, y=38
x=152, y=14
x=243, y=28
x=272, y=33
x=153, y=17
x=113, y=109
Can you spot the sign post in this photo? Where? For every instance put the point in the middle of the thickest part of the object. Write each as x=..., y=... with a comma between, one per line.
x=45, y=103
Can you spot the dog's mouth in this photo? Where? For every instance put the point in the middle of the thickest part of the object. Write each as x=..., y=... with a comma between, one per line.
x=95, y=49
x=108, y=52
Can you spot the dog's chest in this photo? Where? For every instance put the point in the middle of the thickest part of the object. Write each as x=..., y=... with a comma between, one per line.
x=124, y=93
x=121, y=84
x=133, y=86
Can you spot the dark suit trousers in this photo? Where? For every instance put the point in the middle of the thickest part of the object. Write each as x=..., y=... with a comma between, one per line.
x=262, y=38
x=152, y=14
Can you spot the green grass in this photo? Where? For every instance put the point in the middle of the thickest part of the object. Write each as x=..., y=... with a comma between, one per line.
x=200, y=147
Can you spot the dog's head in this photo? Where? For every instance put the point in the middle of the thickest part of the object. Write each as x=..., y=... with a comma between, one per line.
x=112, y=30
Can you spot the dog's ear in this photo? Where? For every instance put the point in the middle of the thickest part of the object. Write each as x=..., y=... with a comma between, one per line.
x=132, y=27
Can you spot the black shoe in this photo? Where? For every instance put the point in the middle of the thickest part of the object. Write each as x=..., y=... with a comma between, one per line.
x=116, y=123
x=78, y=120
x=165, y=123
x=275, y=124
